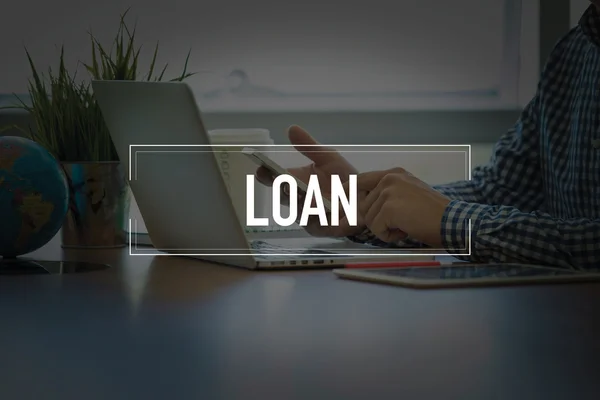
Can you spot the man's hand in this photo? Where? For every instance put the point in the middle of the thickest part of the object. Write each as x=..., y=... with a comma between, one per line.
x=325, y=162
x=399, y=204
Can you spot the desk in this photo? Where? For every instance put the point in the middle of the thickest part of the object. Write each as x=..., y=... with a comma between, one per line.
x=176, y=328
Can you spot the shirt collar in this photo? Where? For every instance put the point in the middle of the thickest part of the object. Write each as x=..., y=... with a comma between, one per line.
x=590, y=24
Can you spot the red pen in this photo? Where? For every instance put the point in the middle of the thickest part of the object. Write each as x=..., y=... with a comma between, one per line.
x=393, y=264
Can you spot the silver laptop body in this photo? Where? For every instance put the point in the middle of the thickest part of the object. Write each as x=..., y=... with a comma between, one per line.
x=182, y=197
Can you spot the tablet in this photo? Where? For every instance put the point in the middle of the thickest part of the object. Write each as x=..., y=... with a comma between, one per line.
x=466, y=274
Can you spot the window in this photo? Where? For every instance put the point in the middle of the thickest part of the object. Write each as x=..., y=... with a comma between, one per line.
x=271, y=55
x=389, y=55
x=266, y=63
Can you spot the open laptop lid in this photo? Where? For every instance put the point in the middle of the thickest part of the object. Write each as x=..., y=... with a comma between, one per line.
x=177, y=183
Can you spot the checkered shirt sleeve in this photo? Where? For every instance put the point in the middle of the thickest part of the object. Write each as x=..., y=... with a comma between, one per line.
x=506, y=198
x=502, y=202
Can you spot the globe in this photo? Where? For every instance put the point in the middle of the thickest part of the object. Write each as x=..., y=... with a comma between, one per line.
x=33, y=196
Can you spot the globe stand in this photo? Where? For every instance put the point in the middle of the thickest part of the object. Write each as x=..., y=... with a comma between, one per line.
x=24, y=266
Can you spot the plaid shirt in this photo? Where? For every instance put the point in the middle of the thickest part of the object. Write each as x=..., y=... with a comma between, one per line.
x=537, y=201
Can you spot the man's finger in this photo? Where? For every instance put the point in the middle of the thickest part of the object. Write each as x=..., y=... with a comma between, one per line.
x=301, y=173
x=314, y=228
x=368, y=181
x=371, y=207
x=308, y=146
x=380, y=228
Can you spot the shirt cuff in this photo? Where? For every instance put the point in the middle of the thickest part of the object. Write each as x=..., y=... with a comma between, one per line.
x=455, y=231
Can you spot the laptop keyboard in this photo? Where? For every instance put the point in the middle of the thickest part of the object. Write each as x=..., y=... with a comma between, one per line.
x=268, y=248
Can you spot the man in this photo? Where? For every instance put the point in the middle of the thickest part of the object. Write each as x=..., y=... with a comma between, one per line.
x=537, y=200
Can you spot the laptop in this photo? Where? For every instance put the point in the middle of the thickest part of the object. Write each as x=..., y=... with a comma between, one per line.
x=161, y=140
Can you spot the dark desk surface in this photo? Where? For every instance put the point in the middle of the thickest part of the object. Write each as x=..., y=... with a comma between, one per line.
x=175, y=328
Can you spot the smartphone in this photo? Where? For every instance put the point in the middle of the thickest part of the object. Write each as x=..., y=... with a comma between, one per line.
x=262, y=159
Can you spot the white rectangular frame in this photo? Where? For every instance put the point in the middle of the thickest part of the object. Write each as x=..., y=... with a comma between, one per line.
x=133, y=242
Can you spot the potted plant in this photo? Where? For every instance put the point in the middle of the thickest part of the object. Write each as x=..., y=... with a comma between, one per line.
x=68, y=122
